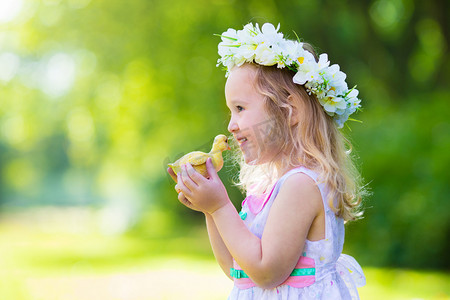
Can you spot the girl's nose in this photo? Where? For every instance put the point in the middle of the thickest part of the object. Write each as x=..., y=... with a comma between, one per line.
x=232, y=126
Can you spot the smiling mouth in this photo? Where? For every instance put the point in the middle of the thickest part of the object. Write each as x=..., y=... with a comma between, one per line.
x=241, y=140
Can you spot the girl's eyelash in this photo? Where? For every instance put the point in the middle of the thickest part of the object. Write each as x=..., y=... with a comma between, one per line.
x=239, y=108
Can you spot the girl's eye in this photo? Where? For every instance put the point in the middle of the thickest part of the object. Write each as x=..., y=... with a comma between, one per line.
x=239, y=108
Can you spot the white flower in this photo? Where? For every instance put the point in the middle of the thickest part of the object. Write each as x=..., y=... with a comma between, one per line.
x=270, y=34
x=247, y=52
x=229, y=35
x=341, y=119
x=333, y=104
x=309, y=70
x=323, y=62
x=288, y=50
x=354, y=102
x=229, y=40
x=225, y=49
x=353, y=94
x=239, y=60
x=248, y=35
x=336, y=79
x=264, y=55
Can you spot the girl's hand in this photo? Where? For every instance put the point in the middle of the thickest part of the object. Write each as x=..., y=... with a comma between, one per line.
x=172, y=174
x=181, y=197
x=206, y=194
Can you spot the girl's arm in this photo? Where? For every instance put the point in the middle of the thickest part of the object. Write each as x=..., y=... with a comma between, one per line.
x=270, y=260
x=220, y=251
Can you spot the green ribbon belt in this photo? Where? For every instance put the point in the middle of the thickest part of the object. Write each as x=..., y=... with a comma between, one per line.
x=297, y=272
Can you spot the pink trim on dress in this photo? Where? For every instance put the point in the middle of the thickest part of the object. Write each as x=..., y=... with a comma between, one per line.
x=257, y=202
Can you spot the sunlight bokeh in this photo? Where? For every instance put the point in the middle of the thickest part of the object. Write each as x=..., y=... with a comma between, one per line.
x=9, y=10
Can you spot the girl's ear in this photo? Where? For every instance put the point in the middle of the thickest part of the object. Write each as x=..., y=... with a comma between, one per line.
x=294, y=116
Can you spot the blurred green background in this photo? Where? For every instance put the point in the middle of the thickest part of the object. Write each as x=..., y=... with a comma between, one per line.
x=96, y=97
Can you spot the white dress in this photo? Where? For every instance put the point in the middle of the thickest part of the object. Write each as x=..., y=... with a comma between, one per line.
x=336, y=275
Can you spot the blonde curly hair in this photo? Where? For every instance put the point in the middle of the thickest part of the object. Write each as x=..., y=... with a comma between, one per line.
x=302, y=134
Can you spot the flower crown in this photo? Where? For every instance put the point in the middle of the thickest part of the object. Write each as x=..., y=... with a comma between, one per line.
x=267, y=47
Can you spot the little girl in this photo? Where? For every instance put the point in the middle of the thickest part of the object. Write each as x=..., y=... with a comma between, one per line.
x=286, y=107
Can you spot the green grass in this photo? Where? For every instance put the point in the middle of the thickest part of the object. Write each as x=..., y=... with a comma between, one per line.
x=404, y=284
x=45, y=261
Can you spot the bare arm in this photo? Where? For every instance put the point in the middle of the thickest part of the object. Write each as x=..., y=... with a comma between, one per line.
x=268, y=261
x=220, y=251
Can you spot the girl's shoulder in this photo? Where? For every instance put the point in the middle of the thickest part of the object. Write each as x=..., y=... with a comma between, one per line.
x=301, y=184
x=299, y=174
x=293, y=183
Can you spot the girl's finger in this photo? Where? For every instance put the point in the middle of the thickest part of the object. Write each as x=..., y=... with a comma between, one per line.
x=193, y=174
x=182, y=186
x=172, y=174
x=182, y=198
x=210, y=169
x=185, y=201
x=186, y=179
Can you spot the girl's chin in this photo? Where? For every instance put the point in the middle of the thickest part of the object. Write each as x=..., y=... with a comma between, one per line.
x=252, y=157
x=253, y=160
x=250, y=160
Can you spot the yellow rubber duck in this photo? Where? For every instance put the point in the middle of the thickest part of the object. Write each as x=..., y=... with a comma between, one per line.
x=198, y=159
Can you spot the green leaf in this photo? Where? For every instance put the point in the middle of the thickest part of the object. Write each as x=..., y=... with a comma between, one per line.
x=224, y=36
